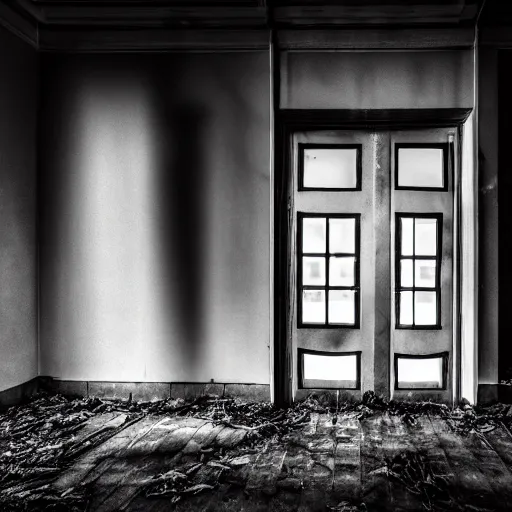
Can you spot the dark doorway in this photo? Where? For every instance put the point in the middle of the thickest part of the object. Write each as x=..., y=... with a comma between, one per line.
x=504, y=213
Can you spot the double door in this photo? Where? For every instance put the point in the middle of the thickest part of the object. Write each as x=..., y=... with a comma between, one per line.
x=372, y=263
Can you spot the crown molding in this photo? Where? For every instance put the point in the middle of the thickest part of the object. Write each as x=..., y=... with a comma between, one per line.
x=214, y=40
x=138, y=25
x=146, y=13
x=364, y=13
x=156, y=15
x=153, y=40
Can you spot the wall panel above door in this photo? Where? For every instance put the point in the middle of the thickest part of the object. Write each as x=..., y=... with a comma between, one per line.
x=372, y=79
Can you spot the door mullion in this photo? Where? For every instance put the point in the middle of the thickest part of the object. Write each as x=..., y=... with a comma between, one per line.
x=382, y=277
x=413, y=272
x=327, y=263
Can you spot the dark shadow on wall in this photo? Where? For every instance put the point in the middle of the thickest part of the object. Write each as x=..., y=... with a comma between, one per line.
x=180, y=205
x=211, y=127
x=208, y=124
x=57, y=139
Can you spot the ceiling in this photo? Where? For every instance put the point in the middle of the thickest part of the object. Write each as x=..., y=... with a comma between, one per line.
x=246, y=13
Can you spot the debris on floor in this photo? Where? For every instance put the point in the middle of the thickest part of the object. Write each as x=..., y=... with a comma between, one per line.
x=463, y=419
x=347, y=506
x=415, y=473
x=40, y=439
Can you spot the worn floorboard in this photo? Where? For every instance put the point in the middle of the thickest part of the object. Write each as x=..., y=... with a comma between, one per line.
x=318, y=466
x=491, y=465
x=501, y=441
x=325, y=466
x=395, y=442
x=472, y=482
x=347, y=461
x=140, y=460
x=375, y=492
x=424, y=439
x=92, y=464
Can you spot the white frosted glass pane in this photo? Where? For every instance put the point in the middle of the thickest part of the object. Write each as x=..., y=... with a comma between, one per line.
x=425, y=237
x=342, y=307
x=319, y=367
x=313, y=306
x=342, y=271
x=313, y=235
x=330, y=168
x=313, y=271
x=424, y=373
x=342, y=235
x=405, y=308
x=425, y=273
x=406, y=278
x=425, y=308
x=407, y=236
x=420, y=167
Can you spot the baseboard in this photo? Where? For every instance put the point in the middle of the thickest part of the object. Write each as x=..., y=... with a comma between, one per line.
x=19, y=393
x=147, y=391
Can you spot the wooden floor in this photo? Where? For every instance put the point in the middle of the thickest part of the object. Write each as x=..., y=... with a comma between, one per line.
x=341, y=467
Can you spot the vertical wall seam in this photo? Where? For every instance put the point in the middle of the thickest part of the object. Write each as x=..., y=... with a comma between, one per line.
x=271, y=217
x=475, y=195
x=37, y=223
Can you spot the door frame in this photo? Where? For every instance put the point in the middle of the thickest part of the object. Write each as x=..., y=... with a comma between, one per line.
x=286, y=123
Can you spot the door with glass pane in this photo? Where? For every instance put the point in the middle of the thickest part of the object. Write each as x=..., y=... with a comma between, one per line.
x=371, y=267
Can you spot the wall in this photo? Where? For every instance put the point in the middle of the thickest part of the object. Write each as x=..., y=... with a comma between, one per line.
x=155, y=229
x=18, y=290
x=378, y=79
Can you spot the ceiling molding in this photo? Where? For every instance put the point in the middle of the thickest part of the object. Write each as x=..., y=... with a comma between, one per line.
x=121, y=25
x=155, y=16
x=154, y=40
x=376, y=39
x=228, y=13
x=146, y=13
x=204, y=40
x=21, y=26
